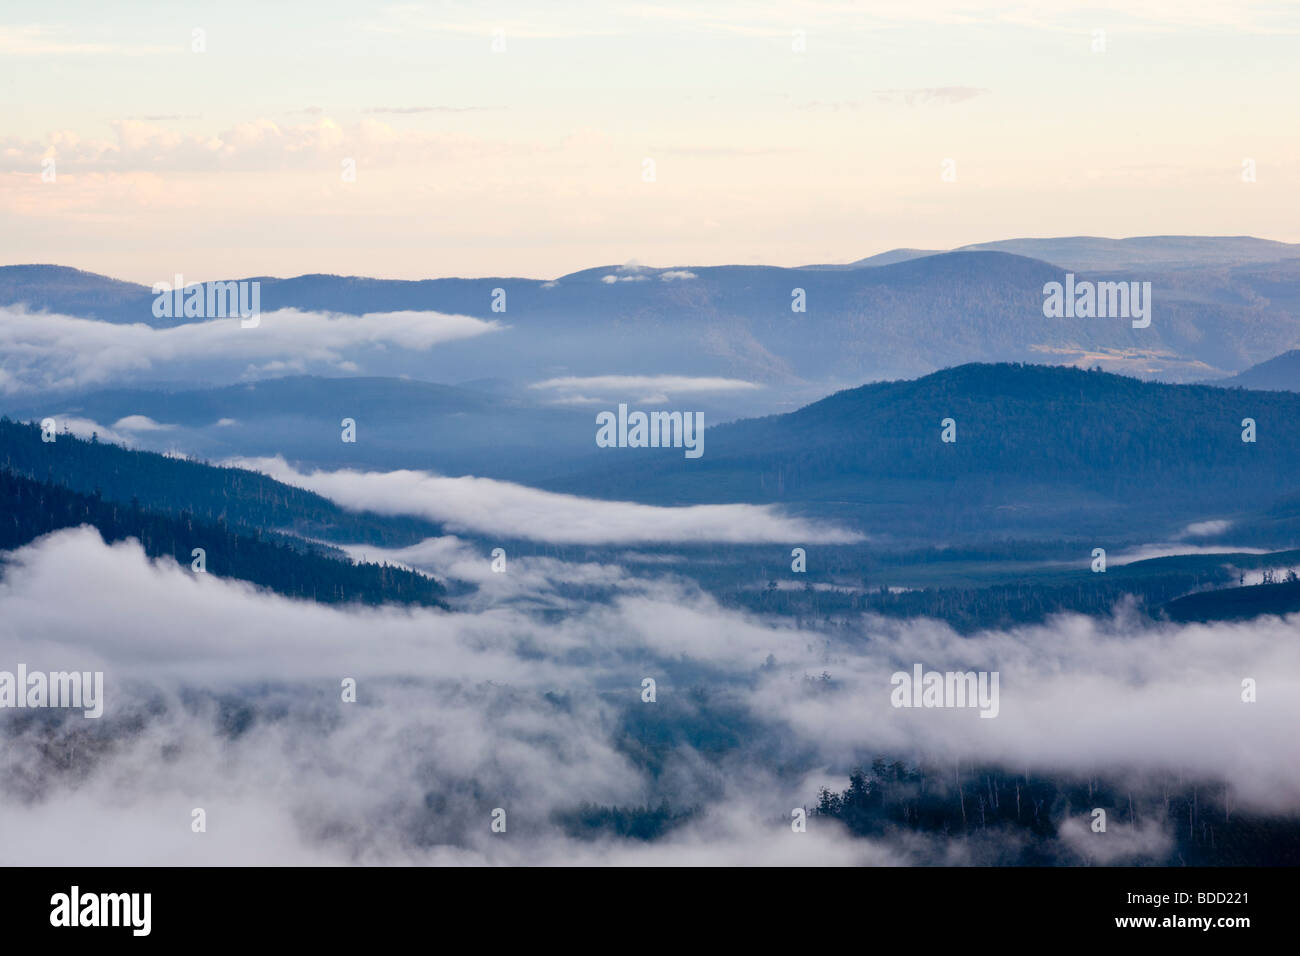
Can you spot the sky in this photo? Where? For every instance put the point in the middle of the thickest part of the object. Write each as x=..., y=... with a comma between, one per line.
x=518, y=139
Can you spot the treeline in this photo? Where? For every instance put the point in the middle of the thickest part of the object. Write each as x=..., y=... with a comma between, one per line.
x=969, y=609
x=590, y=821
x=1236, y=604
x=1023, y=813
x=31, y=508
x=1180, y=588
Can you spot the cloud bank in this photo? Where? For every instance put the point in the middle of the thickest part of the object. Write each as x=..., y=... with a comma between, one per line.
x=227, y=698
x=48, y=351
x=491, y=507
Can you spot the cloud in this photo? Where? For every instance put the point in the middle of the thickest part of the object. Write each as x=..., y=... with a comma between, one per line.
x=1147, y=551
x=532, y=582
x=488, y=506
x=48, y=351
x=1204, y=529
x=1078, y=693
x=140, y=423
x=85, y=428
x=221, y=696
x=1123, y=843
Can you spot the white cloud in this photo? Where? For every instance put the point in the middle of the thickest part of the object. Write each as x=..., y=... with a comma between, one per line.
x=1201, y=529
x=221, y=696
x=140, y=423
x=49, y=351
x=488, y=506
x=86, y=428
x=1123, y=844
x=1147, y=551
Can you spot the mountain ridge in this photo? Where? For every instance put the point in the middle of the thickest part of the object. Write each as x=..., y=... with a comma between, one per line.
x=893, y=320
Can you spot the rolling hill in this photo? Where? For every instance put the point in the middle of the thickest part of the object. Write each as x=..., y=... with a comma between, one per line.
x=1145, y=252
x=1039, y=449
x=242, y=500
x=1225, y=304
x=1281, y=374
x=34, y=508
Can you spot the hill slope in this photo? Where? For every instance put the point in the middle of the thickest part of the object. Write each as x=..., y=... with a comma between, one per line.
x=1145, y=252
x=243, y=500
x=33, y=508
x=1281, y=373
x=1038, y=447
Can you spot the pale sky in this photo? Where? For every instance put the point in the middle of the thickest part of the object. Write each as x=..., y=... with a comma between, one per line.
x=531, y=161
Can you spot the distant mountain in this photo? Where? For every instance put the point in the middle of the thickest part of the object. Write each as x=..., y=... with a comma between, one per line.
x=881, y=259
x=48, y=288
x=902, y=314
x=1089, y=253
x=1094, y=254
x=1277, y=374
x=1044, y=450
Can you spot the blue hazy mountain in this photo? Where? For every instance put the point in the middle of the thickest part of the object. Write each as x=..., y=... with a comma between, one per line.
x=1039, y=450
x=880, y=259
x=1281, y=373
x=901, y=319
x=1094, y=253
x=1146, y=252
x=51, y=288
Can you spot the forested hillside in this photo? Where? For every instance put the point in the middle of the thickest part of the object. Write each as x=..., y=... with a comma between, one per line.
x=1274, y=596
x=31, y=509
x=1017, y=818
x=243, y=499
x=1054, y=449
